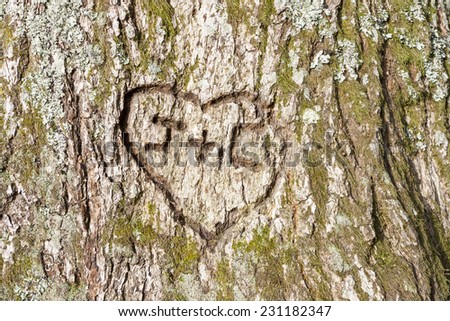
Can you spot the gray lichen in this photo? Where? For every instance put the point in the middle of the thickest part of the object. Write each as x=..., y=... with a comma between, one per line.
x=348, y=60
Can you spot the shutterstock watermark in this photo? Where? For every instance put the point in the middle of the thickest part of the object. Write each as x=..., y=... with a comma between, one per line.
x=192, y=152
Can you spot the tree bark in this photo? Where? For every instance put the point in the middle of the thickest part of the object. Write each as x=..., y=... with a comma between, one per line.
x=224, y=149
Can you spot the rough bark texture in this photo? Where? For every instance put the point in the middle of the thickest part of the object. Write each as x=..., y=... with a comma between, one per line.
x=356, y=90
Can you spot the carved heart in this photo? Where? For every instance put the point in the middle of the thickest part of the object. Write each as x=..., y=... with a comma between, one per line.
x=198, y=154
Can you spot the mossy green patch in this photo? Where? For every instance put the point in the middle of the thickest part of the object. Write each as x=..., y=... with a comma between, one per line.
x=348, y=27
x=319, y=188
x=225, y=280
x=265, y=12
x=317, y=172
x=237, y=13
x=276, y=263
x=143, y=230
x=14, y=276
x=102, y=74
x=6, y=33
x=17, y=271
x=269, y=276
x=182, y=254
x=31, y=137
x=285, y=83
x=406, y=57
x=101, y=5
x=164, y=10
x=353, y=97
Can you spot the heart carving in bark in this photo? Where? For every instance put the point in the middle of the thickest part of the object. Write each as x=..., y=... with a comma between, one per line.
x=213, y=161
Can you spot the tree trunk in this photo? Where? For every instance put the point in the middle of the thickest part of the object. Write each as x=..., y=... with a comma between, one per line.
x=225, y=149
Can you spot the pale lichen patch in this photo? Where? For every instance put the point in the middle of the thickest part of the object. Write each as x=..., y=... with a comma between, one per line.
x=305, y=15
x=348, y=60
x=310, y=116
